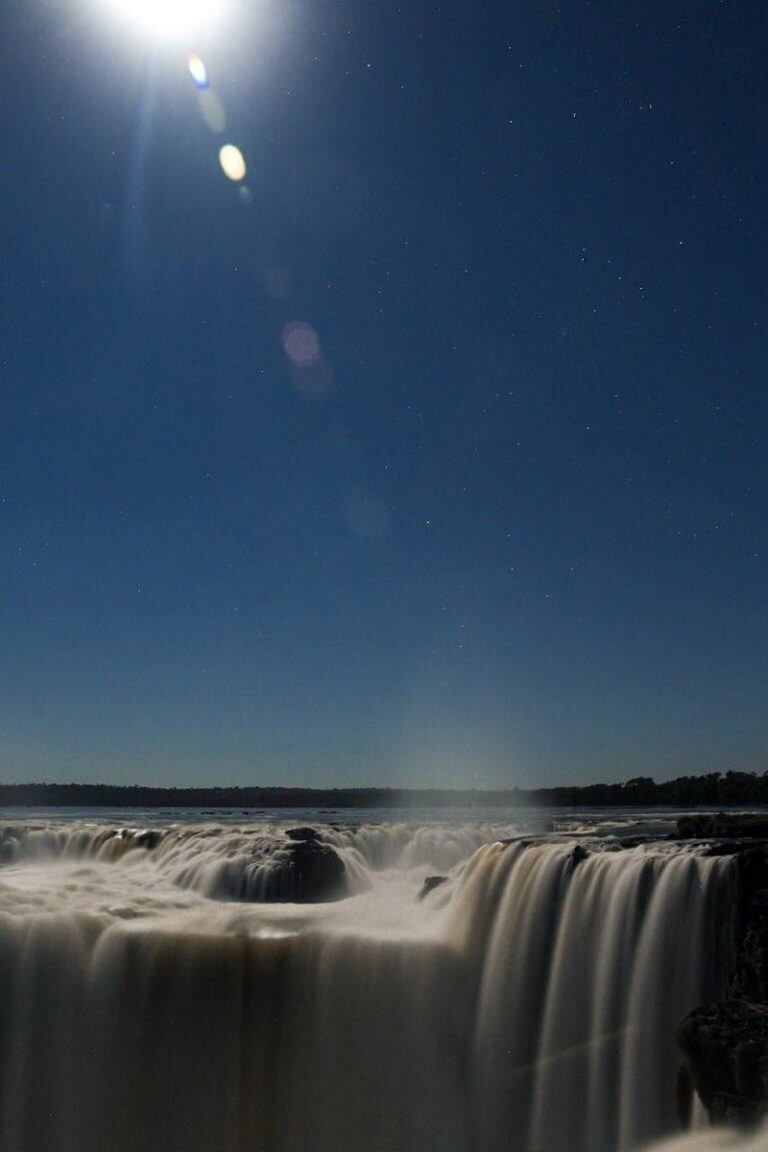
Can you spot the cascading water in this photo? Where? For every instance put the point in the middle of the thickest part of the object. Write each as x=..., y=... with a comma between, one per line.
x=584, y=965
x=716, y=1140
x=527, y=1004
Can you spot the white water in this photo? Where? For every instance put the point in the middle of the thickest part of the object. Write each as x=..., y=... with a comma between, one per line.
x=528, y=1004
x=716, y=1140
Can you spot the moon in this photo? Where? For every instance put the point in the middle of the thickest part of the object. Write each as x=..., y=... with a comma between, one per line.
x=169, y=19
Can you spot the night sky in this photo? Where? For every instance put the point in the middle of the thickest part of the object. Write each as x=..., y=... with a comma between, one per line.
x=433, y=452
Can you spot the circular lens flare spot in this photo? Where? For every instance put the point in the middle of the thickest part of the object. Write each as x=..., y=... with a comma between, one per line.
x=232, y=162
x=198, y=71
x=301, y=343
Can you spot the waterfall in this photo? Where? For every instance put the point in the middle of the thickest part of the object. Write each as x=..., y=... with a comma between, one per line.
x=716, y=1140
x=584, y=965
x=528, y=1004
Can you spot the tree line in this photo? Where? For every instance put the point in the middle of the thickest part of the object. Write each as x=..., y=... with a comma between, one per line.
x=715, y=789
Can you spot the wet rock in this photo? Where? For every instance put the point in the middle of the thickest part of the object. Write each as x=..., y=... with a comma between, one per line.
x=149, y=839
x=8, y=849
x=706, y=826
x=305, y=834
x=725, y=1050
x=308, y=872
x=430, y=884
x=750, y=978
x=279, y=870
x=725, y=1045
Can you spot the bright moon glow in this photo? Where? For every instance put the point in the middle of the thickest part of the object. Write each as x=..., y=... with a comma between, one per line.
x=232, y=162
x=170, y=19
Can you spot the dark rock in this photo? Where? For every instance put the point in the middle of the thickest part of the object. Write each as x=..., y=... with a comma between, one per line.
x=149, y=839
x=725, y=1045
x=725, y=1049
x=305, y=834
x=707, y=826
x=8, y=848
x=430, y=884
x=289, y=871
x=750, y=979
x=315, y=873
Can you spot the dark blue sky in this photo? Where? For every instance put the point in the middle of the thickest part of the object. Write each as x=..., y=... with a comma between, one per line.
x=504, y=521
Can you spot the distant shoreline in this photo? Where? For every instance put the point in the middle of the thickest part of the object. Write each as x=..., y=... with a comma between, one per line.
x=713, y=789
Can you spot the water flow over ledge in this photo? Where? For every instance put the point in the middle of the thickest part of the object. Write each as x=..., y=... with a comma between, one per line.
x=528, y=1004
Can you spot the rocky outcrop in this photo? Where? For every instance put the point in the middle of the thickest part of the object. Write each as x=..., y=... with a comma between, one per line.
x=725, y=1045
x=294, y=868
x=310, y=871
x=707, y=825
x=305, y=834
x=430, y=883
x=725, y=1048
x=750, y=977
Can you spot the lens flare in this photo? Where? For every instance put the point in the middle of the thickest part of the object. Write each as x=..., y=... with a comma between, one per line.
x=301, y=343
x=212, y=110
x=232, y=162
x=197, y=71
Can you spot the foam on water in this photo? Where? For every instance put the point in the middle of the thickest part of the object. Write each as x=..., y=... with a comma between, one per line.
x=716, y=1140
